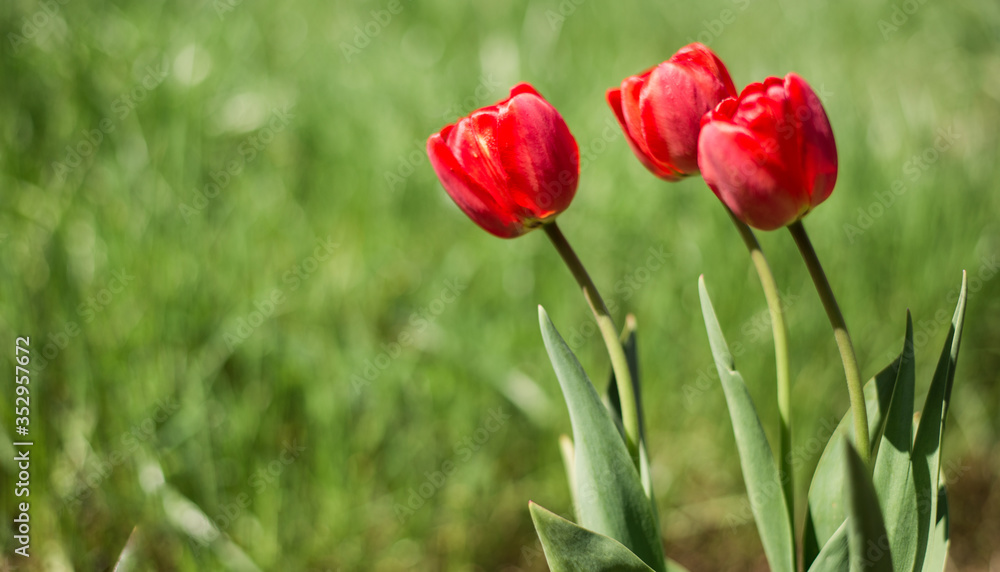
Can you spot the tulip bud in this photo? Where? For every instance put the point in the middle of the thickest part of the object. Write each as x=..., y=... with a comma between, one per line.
x=769, y=155
x=510, y=167
x=660, y=110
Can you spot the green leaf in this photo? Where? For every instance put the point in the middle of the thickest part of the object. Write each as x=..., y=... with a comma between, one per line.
x=930, y=432
x=937, y=547
x=867, y=539
x=893, y=475
x=610, y=496
x=568, y=456
x=569, y=547
x=836, y=554
x=632, y=357
x=760, y=473
x=628, y=338
x=825, y=513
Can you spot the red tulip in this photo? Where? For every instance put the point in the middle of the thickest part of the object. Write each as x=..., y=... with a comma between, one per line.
x=510, y=167
x=661, y=109
x=769, y=155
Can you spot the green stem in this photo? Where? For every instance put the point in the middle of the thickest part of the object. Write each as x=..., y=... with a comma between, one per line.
x=780, y=334
x=619, y=363
x=851, y=370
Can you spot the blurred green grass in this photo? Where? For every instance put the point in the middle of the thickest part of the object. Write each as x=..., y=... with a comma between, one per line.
x=159, y=409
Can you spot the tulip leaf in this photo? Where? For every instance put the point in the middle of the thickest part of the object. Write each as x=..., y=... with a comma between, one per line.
x=835, y=555
x=632, y=357
x=825, y=512
x=937, y=546
x=927, y=445
x=631, y=354
x=867, y=539
x=760, y=472
x=570, y=547
x=610, y=496
x=568, y=456
x=893, y=475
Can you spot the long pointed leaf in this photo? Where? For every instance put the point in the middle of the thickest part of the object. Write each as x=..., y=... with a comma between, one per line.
x=628, y=339
x=867, y=539
x=611, y=499
x=836, y=554
x=630, y=346
x=571, y=548
x=568, y=457
x=937, y=547
x=930, y=432
x=893, y=475
x=760, y=473
x=825, y=512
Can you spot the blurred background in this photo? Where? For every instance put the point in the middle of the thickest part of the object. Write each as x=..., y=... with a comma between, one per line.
x=264, y=338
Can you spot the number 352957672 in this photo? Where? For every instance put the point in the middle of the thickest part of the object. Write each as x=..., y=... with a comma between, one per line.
x=22, y=355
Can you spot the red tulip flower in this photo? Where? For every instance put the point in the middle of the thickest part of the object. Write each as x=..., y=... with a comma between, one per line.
x=769, y=155
x=510, y=167
x=661, y=109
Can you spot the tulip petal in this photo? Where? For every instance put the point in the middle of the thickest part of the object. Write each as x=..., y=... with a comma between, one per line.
x=763, y=111
x=699, y=58
x=745, y=177
x=675, y=97
x=475, y=146
x=523, y=87
x=510, y=166
x=672, y=104
x=540, y=157
x=614, y=97
x=631, y=96
x=769, y=155
x=819, y=149
x=474, y=200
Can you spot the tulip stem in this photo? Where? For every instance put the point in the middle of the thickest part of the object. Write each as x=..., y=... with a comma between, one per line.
x=780, y=333
x=619, y=363
x=851, y=370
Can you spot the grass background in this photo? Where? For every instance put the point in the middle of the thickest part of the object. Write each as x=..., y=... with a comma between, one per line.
x=173, y=412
